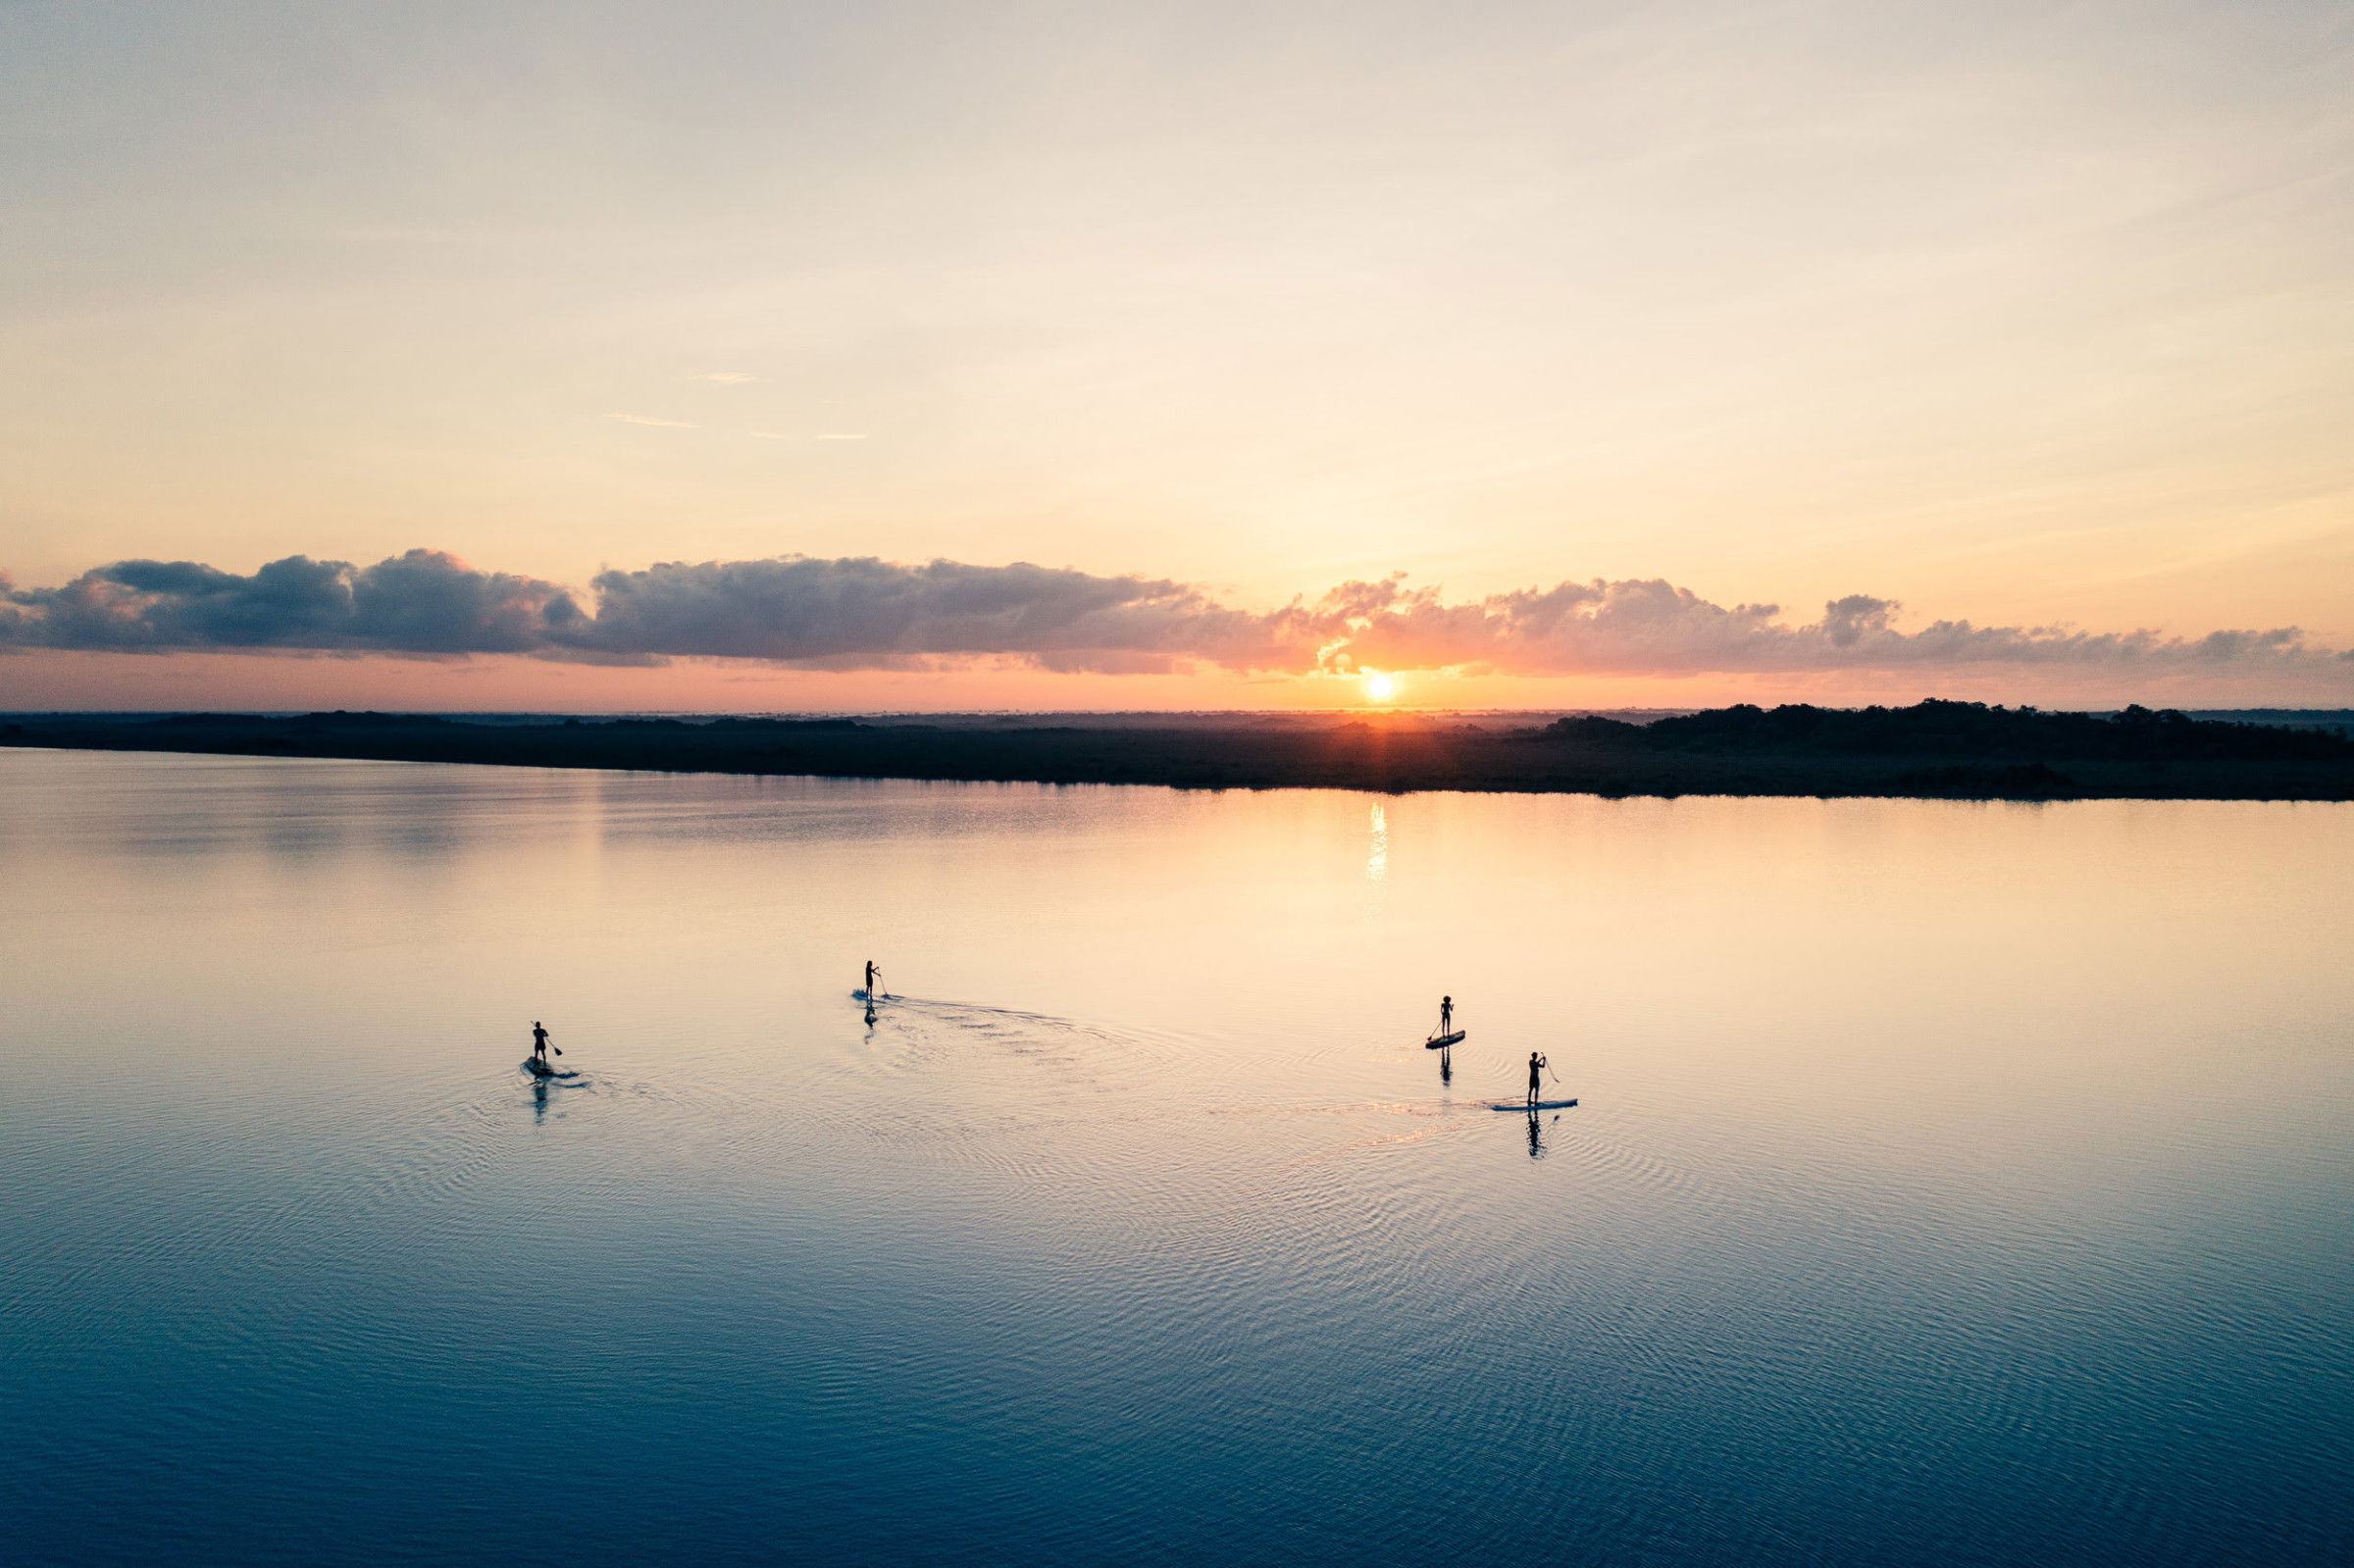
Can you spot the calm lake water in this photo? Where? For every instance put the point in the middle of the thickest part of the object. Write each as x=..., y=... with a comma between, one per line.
x=1951, y=1183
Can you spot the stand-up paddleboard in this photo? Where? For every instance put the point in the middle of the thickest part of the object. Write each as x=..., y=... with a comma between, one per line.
x=1439, y=1043
x=1524, y=1105
x=537, y=1068
x=879, y=996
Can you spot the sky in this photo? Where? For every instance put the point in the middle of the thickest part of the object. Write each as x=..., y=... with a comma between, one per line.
x=1130, y=355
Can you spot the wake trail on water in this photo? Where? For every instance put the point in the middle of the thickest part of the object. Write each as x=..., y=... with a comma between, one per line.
x=924, y=1027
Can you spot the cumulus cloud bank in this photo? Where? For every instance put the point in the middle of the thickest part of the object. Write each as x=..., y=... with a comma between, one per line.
x=1651, y=627
x=423, y=602
x=860, y=611
x=864, y=613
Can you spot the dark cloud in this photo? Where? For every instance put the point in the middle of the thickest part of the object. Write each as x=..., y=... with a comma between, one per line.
x=428, y=602
x=422, y=602
x=864, y=613
x=798, y=610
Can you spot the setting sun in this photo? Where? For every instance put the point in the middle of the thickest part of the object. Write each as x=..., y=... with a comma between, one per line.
x=1380, y=687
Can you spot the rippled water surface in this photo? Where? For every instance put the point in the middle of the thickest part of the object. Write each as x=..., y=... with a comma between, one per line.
x=1951, y=1184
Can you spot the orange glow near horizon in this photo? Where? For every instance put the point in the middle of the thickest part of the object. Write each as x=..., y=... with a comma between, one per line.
x=43, y=680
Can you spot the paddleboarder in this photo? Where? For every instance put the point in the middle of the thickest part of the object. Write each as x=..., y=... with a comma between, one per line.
x=1536, y=1073
x=872, y=975
x=540, y=1045
x=1446, y=1015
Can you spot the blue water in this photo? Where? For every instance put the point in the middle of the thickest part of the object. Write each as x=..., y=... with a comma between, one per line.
x=1951, y=1184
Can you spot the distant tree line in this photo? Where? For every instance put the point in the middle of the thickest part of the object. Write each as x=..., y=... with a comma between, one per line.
x=1940, y=729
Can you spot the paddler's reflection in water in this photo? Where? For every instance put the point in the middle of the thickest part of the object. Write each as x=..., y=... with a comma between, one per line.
x=1536, y=1137
x=870, y=1015
x=539, y=1099
x=1447, y=1066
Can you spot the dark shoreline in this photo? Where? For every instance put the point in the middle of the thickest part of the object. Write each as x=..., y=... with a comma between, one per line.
x=1725, y=752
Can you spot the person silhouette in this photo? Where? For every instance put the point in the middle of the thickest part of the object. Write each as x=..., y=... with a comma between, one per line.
x=872, y=975
x=1446, y=1015
x=540, y=1045
x=1536, y=1070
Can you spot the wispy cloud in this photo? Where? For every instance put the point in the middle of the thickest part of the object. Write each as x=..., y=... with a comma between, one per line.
x=644, y=419
x=865, y=613
x=837, y=436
